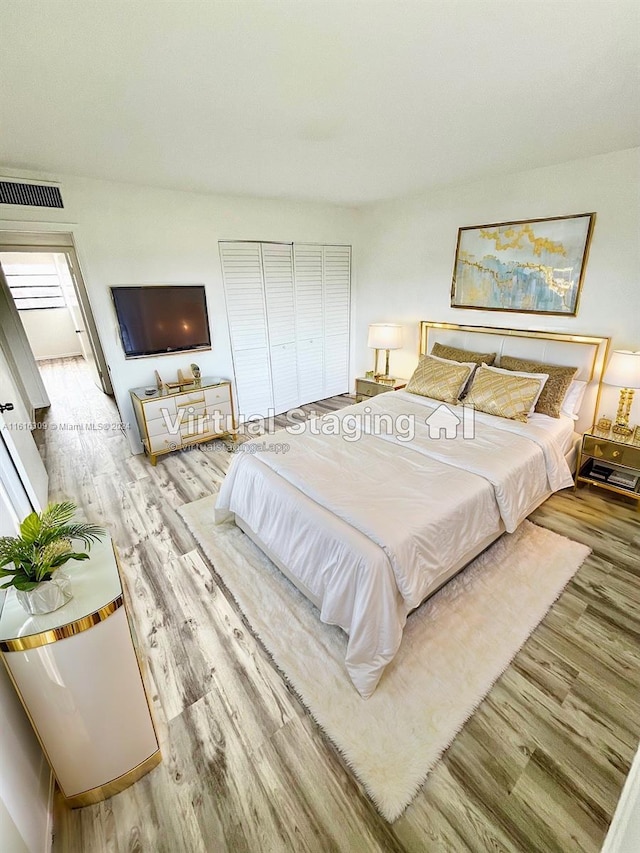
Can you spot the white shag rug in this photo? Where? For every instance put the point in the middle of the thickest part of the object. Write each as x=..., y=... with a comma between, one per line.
x=455, y=646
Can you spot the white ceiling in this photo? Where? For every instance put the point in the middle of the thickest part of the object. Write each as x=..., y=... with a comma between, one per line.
x=346, y=102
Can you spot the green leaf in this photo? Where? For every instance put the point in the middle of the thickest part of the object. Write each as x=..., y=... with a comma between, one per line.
x=26, y=585
x=62, y=559
x=6, y=572
x=30, y=527
x=87, y=533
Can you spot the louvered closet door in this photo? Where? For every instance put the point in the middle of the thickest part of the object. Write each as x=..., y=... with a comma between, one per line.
x=277, y=264
x=246, y=311
x=337, y=301
x=309, y=321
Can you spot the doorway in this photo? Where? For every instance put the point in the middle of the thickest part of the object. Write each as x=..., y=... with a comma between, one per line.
x=41, y=275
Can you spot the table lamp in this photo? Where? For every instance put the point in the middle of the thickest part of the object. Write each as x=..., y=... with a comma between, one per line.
x=386, y=336
x=623, y=370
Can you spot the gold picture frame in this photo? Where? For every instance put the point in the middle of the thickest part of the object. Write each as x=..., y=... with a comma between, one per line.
x=528, y=266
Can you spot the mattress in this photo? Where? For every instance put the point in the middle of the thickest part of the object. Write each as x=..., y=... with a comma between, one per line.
x=369, y=522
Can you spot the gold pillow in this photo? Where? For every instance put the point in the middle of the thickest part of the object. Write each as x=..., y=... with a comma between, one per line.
x=433, y=378
x=455, y=354
x=505, y=396
x=555, y=388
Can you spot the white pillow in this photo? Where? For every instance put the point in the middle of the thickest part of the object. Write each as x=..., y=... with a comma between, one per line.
x=472, y=364
x=573, y=399
x=541, y=376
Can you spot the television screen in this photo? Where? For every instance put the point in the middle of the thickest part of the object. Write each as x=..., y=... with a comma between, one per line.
x=161, y=318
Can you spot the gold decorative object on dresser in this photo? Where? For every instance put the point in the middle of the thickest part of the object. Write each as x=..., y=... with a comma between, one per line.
x=611, y=461
x=174, y=418
x=79, y=679
x=366, y=387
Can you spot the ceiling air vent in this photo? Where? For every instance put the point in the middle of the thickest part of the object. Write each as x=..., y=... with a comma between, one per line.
x=33, y=195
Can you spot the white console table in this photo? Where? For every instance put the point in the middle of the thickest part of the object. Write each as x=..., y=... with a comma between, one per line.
x=79, y=679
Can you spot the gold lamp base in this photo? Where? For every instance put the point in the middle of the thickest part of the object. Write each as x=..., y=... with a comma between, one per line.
x=383, y=377
x=621, y=426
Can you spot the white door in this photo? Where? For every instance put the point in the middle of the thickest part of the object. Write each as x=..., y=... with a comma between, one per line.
x=19, y=353
x=22, y=467
x=277, y=265
x=247, y=316
x=336, y=281
x=309, y=322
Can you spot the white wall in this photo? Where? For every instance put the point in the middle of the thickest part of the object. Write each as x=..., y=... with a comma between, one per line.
x=51, y=332
x=24, y=775
x=127, y=234
x=10, y=838
x=407, y=249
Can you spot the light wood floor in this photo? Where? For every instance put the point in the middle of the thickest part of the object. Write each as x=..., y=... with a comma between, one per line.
x=539, y=767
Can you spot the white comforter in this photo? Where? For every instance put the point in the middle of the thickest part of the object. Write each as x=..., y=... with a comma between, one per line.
x=368, y=526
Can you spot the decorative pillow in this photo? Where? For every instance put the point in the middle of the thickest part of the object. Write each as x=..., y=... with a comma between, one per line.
x=441, y=380
x=557, y=385
x=542, y=377
x=497, y=393
x=463, y=355
x=573, y=399
x=471, y=364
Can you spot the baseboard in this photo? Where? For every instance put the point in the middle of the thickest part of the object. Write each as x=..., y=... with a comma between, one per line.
x=621, y=837
x=59, y=355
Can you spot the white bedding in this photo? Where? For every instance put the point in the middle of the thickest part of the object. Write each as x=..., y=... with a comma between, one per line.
x=560, y=429
x=369, y=527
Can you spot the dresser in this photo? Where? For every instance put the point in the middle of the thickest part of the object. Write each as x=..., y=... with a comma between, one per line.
x=79, y=678
x=176, y=418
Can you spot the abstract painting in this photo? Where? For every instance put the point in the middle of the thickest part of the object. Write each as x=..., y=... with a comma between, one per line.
x=533, y=266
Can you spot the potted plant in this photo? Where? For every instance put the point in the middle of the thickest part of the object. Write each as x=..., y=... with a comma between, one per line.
x=32, y=561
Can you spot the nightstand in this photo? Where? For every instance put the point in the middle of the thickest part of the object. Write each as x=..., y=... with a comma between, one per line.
x=372, y=387
x=610, y=461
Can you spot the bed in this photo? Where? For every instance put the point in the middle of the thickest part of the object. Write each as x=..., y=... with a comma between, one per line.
x=374, y=508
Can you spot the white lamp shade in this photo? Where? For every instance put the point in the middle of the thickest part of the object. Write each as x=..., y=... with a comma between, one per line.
x=385, y=336
x=623, y=369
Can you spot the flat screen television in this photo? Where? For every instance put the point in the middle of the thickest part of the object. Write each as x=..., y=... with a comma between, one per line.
x=156, y=319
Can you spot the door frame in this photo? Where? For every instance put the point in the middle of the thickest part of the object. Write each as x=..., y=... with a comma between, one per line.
x=63, y=243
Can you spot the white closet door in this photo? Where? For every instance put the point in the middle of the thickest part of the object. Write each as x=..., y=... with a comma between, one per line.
x=285, y=377
x=310, y=322
x=246, y=312
x=277, y=264
x=337, y=301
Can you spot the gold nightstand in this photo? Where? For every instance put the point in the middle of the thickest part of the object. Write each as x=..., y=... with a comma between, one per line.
x=610, y=461
x=371, y=387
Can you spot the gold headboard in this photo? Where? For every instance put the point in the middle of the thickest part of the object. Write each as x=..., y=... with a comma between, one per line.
x=586, y=352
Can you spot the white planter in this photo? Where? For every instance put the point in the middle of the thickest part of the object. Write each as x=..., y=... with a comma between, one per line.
x=47, y=596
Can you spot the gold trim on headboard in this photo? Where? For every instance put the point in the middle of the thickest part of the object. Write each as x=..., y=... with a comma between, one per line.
x=598, y=362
